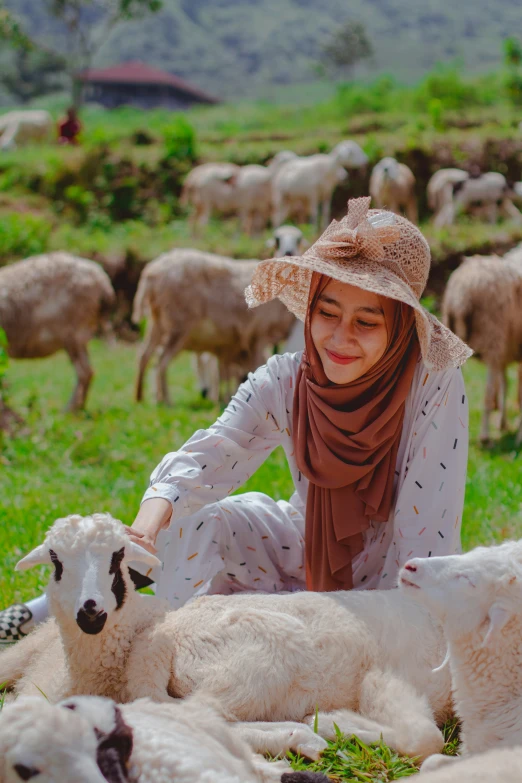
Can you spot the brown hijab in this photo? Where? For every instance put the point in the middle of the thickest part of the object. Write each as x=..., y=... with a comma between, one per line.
x=346, y=442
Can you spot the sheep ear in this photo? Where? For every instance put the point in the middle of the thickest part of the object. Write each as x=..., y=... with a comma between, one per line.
x=498, y=617
x=271, y=243
x=137, y=553
x=39, y=556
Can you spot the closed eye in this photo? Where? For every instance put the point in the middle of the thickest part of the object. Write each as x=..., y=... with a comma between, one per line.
x=327, y=315
x=465, y=576
x=366, y=324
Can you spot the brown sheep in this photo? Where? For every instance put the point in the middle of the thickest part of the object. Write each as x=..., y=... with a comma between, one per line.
x=482, y=305
x=55, y=302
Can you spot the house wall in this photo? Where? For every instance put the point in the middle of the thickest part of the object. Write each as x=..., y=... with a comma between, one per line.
x=146, y=96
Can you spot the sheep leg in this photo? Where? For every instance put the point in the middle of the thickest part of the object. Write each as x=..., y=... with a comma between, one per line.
x=280, y=213
x=313, y=212
x=511, y=211
x=152, y=340
x=84, y=373
x=325, y=211
x=391, y=709
x=519, y=433
x=277, y=738
x=411, y=211
x=171, y=349
x=502, y=399
x=489, y=404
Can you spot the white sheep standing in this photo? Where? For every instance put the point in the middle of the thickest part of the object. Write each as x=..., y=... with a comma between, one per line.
x=489, y=191
x=477, y=597
x=481, y=304
x=440, y=188
x=21, y=126
x=281, y=657
x=306, y=184
x=392, y=186
x=89, y=739
x=226, y=188
x=54, y=302
x=195, y=301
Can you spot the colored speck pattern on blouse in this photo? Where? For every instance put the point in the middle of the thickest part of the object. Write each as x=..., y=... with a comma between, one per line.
x=219, y=542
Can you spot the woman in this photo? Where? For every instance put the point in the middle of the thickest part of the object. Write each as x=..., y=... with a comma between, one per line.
x=372, y=416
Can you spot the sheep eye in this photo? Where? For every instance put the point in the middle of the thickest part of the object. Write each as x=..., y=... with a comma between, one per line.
x=25, y=773
x=277, y=241
x=58, y=566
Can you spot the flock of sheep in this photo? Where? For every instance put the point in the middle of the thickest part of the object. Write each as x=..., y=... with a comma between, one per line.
x=138, y=692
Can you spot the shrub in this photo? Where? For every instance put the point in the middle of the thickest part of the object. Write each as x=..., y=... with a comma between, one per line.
x=180, y=140
x=22, y=235
x=447, y=85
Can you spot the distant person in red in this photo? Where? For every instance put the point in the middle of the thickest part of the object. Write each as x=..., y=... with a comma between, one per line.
x=69, y=128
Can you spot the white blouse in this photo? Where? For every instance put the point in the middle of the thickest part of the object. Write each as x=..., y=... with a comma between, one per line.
x=430, y=468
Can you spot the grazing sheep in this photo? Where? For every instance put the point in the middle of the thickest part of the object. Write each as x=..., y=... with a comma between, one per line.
x=277, y=657
x=392, y=186
x=309, y=182
x=55, y=302
x=196, y=302
x=21, y=126
x=481, y=305
x=489, y=191
x=88, y=739
x=477, y=597
x=211, y=373
x=229, y=189
x=440, y=188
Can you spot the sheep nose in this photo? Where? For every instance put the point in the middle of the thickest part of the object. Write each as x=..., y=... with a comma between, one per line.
x=288, y=253
x=410, y=567
x=90, y=608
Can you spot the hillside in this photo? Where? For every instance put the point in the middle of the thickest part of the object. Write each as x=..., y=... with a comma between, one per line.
x=240, y=48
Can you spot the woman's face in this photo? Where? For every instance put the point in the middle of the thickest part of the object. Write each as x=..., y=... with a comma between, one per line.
x=349, y=331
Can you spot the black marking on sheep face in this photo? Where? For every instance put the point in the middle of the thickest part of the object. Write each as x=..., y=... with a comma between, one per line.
x=58, y=565
x=91, y=625
x=25, y=773
x=304, y=776
x=114, y=750
x=118, y=586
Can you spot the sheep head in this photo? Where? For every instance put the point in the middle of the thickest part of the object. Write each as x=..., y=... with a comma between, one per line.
x=115, y=739
x=91, y=579
x=477, y=592
x=44, y=744
x=287, y=241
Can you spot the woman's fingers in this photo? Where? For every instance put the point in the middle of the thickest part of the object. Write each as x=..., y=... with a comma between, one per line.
x=142, y=540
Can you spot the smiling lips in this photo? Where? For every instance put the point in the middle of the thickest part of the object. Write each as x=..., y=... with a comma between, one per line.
x=340, y=359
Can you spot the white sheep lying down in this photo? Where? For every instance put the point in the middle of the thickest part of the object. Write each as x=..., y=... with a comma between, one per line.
x=504, y=766
x=88, y=739
x=264, y=657
x=478, y=599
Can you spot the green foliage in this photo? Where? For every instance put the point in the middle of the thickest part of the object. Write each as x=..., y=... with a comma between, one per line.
x=12, y=30
x=22, y=235
x=512, y=52
x=351, y=760
x=436, y=112
x=180, y=140
x=447, y=85
x=348, y=45
x=4, y=361
x=378, y=96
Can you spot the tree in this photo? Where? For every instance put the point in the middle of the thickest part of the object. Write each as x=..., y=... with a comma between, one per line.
x=512, y=52
x=11, y=30
x=513, y=74
x=88, y=24
x=348, y=46
x=34, y=72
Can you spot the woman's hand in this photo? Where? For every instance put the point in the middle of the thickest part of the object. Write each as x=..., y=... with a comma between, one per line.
x=152, y=517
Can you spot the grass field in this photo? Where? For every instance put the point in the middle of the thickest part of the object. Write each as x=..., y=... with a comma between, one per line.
x=101, y=460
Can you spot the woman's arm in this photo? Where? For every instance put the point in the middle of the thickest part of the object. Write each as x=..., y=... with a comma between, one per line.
x=213, y=463
x=428, y=511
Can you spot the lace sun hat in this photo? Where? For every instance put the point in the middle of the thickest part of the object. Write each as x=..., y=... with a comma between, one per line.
x=374, y=250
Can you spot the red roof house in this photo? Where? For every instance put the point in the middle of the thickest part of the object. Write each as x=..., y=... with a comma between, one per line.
x=137, y=84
